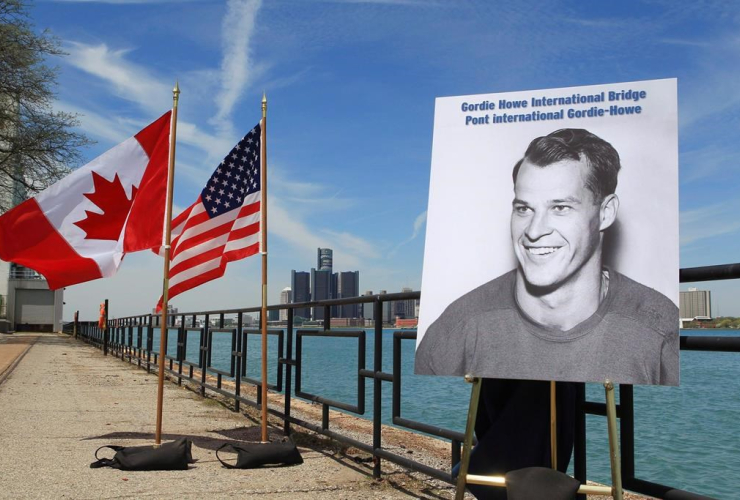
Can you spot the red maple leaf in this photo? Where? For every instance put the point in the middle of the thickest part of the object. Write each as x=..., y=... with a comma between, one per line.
x=110, y=197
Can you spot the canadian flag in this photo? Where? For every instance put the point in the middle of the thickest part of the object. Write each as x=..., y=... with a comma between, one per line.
x=79, y=228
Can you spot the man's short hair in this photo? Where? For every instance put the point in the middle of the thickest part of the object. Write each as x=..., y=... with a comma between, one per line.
x=576, y=144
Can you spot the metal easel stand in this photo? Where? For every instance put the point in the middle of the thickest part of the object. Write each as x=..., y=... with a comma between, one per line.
x=463, y=476
x=611, y=414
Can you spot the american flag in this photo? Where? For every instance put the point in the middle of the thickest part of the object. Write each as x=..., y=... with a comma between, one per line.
x=223, y=224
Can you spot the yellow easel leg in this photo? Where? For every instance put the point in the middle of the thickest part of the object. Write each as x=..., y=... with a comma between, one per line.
x=469, y=430
x=611, y=419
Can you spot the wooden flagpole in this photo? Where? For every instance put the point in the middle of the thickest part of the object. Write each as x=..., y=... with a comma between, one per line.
x=263, y=313
x=166, y=280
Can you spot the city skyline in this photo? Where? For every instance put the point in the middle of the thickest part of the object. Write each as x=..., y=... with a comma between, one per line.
x=351, y=88
x=323, y=284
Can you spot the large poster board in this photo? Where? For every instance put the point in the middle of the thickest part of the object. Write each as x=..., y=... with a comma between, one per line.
x=552, y=236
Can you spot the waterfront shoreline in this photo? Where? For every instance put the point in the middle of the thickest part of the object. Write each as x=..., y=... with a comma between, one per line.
x=431, y=451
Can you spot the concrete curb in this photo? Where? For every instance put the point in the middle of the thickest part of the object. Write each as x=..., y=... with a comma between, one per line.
x=6, y=373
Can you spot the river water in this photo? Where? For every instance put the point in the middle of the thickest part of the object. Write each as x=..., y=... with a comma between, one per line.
x=686, y=437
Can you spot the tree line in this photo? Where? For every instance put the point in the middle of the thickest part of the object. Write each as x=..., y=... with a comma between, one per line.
x=38, y=144
x=720, y=322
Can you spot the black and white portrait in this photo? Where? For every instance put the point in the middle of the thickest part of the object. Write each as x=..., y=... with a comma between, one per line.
x=554, y=256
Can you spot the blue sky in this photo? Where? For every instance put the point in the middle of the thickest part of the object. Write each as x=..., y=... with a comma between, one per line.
x=351, y=87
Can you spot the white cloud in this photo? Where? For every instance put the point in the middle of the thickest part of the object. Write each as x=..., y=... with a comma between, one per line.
x=236, y=65
x=129, y=81
x=286, y=225
x=110, y=129
x=708, y=161
x=292, y=187
x=321, y=204
x=123, y=2
x=285, y=81
x=685, y=43
x=718, y=63
x=136, y=83
x=290, y=229
x=353, y=244
x=419, y=222
x=215, y=146
x=418, y=3
x=709, y=221
x=306, y=197
x=194, y=176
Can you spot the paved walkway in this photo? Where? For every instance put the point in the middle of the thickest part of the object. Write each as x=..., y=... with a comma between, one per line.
x=63, y=399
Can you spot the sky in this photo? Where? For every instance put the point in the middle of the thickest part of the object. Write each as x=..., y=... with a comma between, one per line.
x=351, y=86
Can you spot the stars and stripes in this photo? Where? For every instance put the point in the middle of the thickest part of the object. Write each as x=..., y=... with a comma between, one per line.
x=223, y=225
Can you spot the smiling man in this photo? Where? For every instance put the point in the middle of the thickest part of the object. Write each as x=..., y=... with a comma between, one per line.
x=561, y=314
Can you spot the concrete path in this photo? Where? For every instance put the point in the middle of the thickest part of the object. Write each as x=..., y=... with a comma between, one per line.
x=64, y=399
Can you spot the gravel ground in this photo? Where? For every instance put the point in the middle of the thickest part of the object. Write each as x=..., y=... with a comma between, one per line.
x=65, y=399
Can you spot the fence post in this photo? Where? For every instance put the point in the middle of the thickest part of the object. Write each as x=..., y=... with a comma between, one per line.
x=105, y=329
x=239, y=361
x=203, y=359
x=288, y=371
x=627, y=431
x=377, y=368
x=579, y=443
x=149, y=342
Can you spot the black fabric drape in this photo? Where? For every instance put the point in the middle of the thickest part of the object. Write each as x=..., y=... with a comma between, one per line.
x=513, y=429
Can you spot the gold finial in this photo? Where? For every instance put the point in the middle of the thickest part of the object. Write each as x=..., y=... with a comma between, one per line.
x=264, y=97
x=176, y=90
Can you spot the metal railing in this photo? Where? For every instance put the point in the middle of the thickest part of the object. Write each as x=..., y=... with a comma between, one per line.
x=22, y=273
x=132, y=339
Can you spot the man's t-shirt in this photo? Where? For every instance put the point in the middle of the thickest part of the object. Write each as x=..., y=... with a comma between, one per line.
x=632, y=338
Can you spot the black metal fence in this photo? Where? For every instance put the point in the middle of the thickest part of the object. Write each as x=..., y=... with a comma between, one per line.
x=132, y=339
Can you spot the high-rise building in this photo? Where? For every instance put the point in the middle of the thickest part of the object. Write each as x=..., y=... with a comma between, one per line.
x=407, y=308
x=325, y=284
x=324, y=263
x=387, y=310
x=348, y=285
x=324, y=259
x=368, y=309
x=403, y=309
x=399, y=310
x=321, y=289
x=695, y=303
x=335, y=310
x=301, y=287
x=286, y=297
